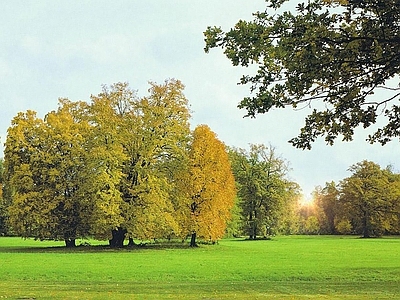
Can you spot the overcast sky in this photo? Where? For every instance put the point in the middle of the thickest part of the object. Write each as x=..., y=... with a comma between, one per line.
x=51, y=49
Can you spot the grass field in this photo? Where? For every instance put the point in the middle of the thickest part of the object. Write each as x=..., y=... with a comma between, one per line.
x=298, y=267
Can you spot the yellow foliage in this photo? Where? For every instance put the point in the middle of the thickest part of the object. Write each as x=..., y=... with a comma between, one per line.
x=210, y=185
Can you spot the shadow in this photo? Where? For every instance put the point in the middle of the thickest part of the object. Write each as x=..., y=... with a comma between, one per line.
x=87, y=248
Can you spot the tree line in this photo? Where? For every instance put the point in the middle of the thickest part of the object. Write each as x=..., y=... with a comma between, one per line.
x=123, y=167
x=367, y=203
x=119, y=167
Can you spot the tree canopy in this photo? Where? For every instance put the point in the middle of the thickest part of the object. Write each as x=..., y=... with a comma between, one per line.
x=365, y=203
x=264, y=191
x=118, y=167
x=331, y=56
x=370, y=199
x=210, y=186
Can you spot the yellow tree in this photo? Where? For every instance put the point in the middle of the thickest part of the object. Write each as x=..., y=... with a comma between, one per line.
x=156, y=151
x=19, y=186
x=210, y=187
x=45, y=164
x=3, y=205
x=152, y=133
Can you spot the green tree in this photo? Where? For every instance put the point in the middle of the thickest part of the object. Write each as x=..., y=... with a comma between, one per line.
x=335, y=52
x=369, y=199
x=209, y=186
x=288, y=221
x=162, y=142
x=262, y=188
x=326, y=202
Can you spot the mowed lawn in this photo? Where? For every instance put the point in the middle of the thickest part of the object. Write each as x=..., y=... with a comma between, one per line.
x=297, y=267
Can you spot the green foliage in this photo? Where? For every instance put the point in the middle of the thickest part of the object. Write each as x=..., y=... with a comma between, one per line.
x=264, y=192
x=311, y=226
x=45, y=160
x=335, y=52
x=326, y=202
x=370, y=199
x=366, y=203
x=234, y=227
x=297, y=267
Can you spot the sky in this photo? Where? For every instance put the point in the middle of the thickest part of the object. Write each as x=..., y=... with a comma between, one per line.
x=69, y=49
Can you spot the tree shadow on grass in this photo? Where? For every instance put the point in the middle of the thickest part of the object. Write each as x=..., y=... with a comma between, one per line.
x=86, y=247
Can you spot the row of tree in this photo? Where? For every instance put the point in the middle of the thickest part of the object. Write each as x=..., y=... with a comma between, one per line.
x=366, y=203
x=118, y=167
x=123, y=167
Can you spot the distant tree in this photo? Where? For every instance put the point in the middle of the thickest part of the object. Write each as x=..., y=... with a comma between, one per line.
x=262, y=188
x=370, y=199
x=326, y=201
x=311, y=226
x=234, y=226
x=394, y=194
x=210, y=187
x=288, y=221
x=338, y=52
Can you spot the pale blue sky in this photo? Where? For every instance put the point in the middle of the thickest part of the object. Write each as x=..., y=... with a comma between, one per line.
x=51, y=49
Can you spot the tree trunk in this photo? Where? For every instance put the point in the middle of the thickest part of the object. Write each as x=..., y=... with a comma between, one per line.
x=193, y=240
x=69, y=243
x=131, y=243
x=251, y=226
x=366, y=225
x=118, y=237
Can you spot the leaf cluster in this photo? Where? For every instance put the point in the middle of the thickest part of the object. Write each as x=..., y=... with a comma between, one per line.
x=366, y=203
x=334, y=52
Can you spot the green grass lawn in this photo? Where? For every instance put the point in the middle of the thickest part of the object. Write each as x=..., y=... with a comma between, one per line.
x=298, y=267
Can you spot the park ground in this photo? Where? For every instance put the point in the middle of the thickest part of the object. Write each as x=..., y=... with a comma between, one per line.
x=285, y=267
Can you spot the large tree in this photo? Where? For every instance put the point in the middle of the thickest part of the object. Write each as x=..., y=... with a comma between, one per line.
x=369, y=198
x=156, y=147
x=338, y=52
x=262, y=187
x=144, y=143
x=209, y=187
x=46, y=177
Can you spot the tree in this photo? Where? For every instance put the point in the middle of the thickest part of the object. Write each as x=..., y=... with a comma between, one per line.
x=152, y=132
x=107, y=169
x=264, y=192
x=370, y=199
x=335, y=52
x=326, y=201
x=3, y=205
x=210, y=187
x=45, y=181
